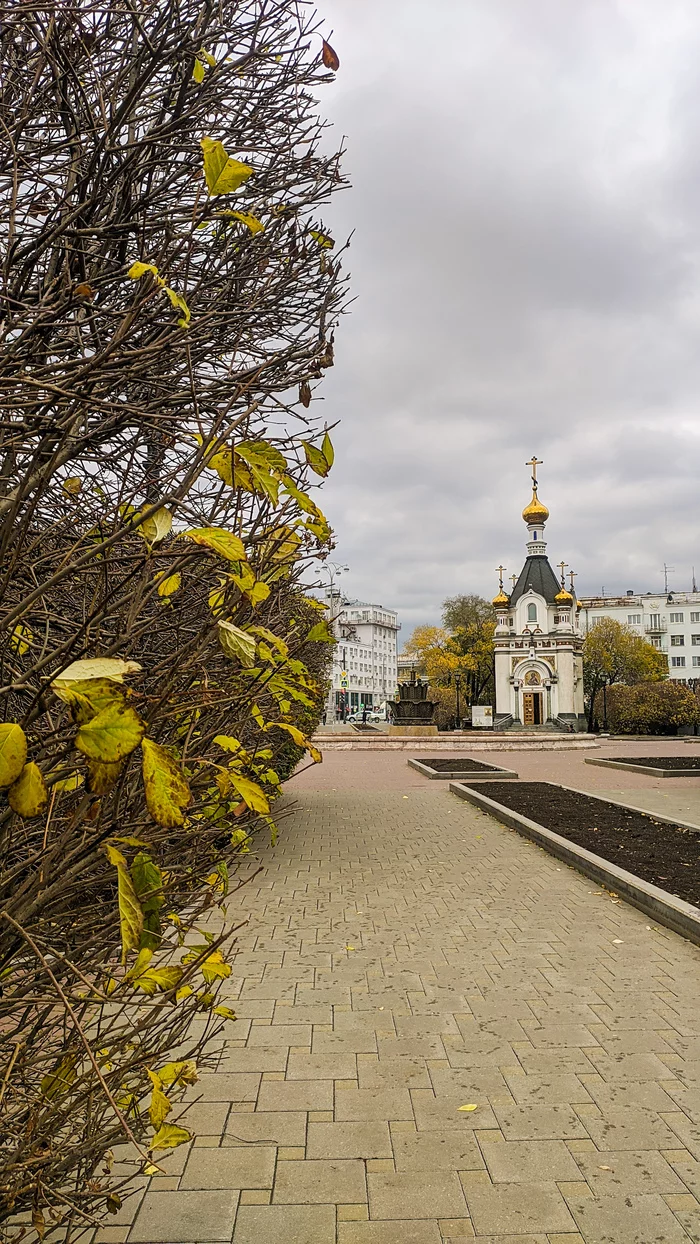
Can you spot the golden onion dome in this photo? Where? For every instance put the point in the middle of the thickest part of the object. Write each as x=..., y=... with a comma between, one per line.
x=535, y=512
x=563, y=598
x=501, y=601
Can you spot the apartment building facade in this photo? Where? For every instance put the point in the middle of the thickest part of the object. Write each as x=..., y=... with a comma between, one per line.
x=670, y=621
x=365, y=658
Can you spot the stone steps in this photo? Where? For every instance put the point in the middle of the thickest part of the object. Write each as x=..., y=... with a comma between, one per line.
x=508, y=741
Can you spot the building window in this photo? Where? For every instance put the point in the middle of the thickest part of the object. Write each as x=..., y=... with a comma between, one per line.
x=532, y=613
x=634, y=619
x=695, y=639
x=696, y=660
x=655, y=642
x=695, y=617
x=678, y=662
x=511, y=622
x=678, y=641
x=676, y=617
x=655, y=621
x=595, y=621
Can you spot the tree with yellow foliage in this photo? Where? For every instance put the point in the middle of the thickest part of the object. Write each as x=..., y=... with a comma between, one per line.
x=614, y=653
x=464, y=645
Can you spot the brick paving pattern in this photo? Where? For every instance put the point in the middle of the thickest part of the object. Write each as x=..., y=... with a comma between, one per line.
x=407, y=957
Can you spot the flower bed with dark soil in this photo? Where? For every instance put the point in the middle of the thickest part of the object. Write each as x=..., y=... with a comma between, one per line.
x=661, y=852
x=464, y=764
x=659, y=762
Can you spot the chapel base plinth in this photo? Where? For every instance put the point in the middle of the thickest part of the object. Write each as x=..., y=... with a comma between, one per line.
x=413, y=731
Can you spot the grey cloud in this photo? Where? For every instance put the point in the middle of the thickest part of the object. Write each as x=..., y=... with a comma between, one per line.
x=525, y=266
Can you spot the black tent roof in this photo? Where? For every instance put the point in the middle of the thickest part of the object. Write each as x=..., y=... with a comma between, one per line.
x=538, y=575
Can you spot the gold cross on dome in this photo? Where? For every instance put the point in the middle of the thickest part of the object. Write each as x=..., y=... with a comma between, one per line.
x=562, y=567
x=514, y=579
x=572, y=575
x=534, y=463
x=500, y=571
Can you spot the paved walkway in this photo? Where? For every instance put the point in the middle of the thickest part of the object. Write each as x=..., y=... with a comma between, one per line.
x=408, y=957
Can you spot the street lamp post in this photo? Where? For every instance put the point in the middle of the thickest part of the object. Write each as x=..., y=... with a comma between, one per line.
x=458, y=684
x=334, y=572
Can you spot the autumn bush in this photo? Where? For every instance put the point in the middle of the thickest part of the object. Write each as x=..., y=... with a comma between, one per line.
x=648, y=708
x=169, y=294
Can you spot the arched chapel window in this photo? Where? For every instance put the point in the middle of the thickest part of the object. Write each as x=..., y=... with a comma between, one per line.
x=532, y=613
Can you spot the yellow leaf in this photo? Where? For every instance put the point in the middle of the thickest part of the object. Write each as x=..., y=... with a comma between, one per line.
x=316, y=459
x=184, y=1072
x=138, y=269
x=224, y=1011
x=101, y=777
x=72, y=485
x=250, y=792
x=255, y=225
x=169, y=1136
x=70, y=783
x=13, y=752
x=159, y=1107
x=219, y=541
x=179, y=303
x=21, y=639
x=130, y=913
x=323, y=239
x=215, y=967
x=156, y=527
x=38, y=1222
x=469, y=1108
x=327, y=450
x=223, y=173
x=258, y=593
x=198, y=71
x=228, y=742
x=59, y=1081
x=222, y=463
x=167, y=792
x=112, y=734
x=237, y=643
x=320, y=634
x=158, y=980
x=185, y=992
x=27, y=796
x=315, y=754
x=88, y=697
x=167, y=587
x=97, y=667
x=207, y=56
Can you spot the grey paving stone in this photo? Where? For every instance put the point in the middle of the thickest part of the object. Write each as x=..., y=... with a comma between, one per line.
x=556, y=1122
x=349, y=1140
x=415, y=1194
x=275, y=1127
x=550, y=1090
x=285, y=1224
x=389, y=1233
x=353, y=1104
x=251, y=1166
x=181, y=1217
x=628, y=1171
x=316, y=1182
x=296, y=1095
x=630, y=1128
x=634, y=1218
x=528, y=1161
x=514, y=1208
x=436, y=1150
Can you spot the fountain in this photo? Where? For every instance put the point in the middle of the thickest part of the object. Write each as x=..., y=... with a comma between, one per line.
x=412, y=713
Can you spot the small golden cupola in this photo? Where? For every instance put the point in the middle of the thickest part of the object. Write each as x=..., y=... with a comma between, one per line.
x=535, y=512
x=563, y=598
x=500, y=601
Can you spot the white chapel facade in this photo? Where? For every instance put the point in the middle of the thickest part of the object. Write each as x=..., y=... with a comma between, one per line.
x=538, y=642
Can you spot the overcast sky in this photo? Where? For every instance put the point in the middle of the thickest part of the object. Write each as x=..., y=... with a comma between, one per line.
x=526, y=205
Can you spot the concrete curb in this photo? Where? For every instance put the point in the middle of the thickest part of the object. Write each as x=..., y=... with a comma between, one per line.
x=473, y=775
x=653, y=770
x=559, y=743
x=665, y=908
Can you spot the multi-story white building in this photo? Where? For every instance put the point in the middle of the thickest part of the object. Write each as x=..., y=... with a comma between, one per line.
x=364, y=660
x=670, y=621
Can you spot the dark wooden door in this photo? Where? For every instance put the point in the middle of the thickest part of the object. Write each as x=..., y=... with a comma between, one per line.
x=528, y=708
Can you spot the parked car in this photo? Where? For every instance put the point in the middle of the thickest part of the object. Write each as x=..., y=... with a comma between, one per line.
x=372, y=715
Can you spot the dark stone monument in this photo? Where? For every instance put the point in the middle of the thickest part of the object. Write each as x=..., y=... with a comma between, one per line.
x=412, y=713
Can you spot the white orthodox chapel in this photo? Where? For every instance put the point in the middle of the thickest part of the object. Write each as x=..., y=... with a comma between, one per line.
x=538, y=643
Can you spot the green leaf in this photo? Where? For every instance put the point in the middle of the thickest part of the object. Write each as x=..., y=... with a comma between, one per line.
x=13, y=752
x=167, y=792
x=130, y=913
x=223, y=173
x=250, y=792
x=262, y=454
x=222, y=542
x=28, y=795
x=114, y=733
x=169, y=1136
x=237, y=643
x=316, y=459
x=156, y=527
x=88, y=697
x=72, y=485
x=320, y=634
x=327, y=450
